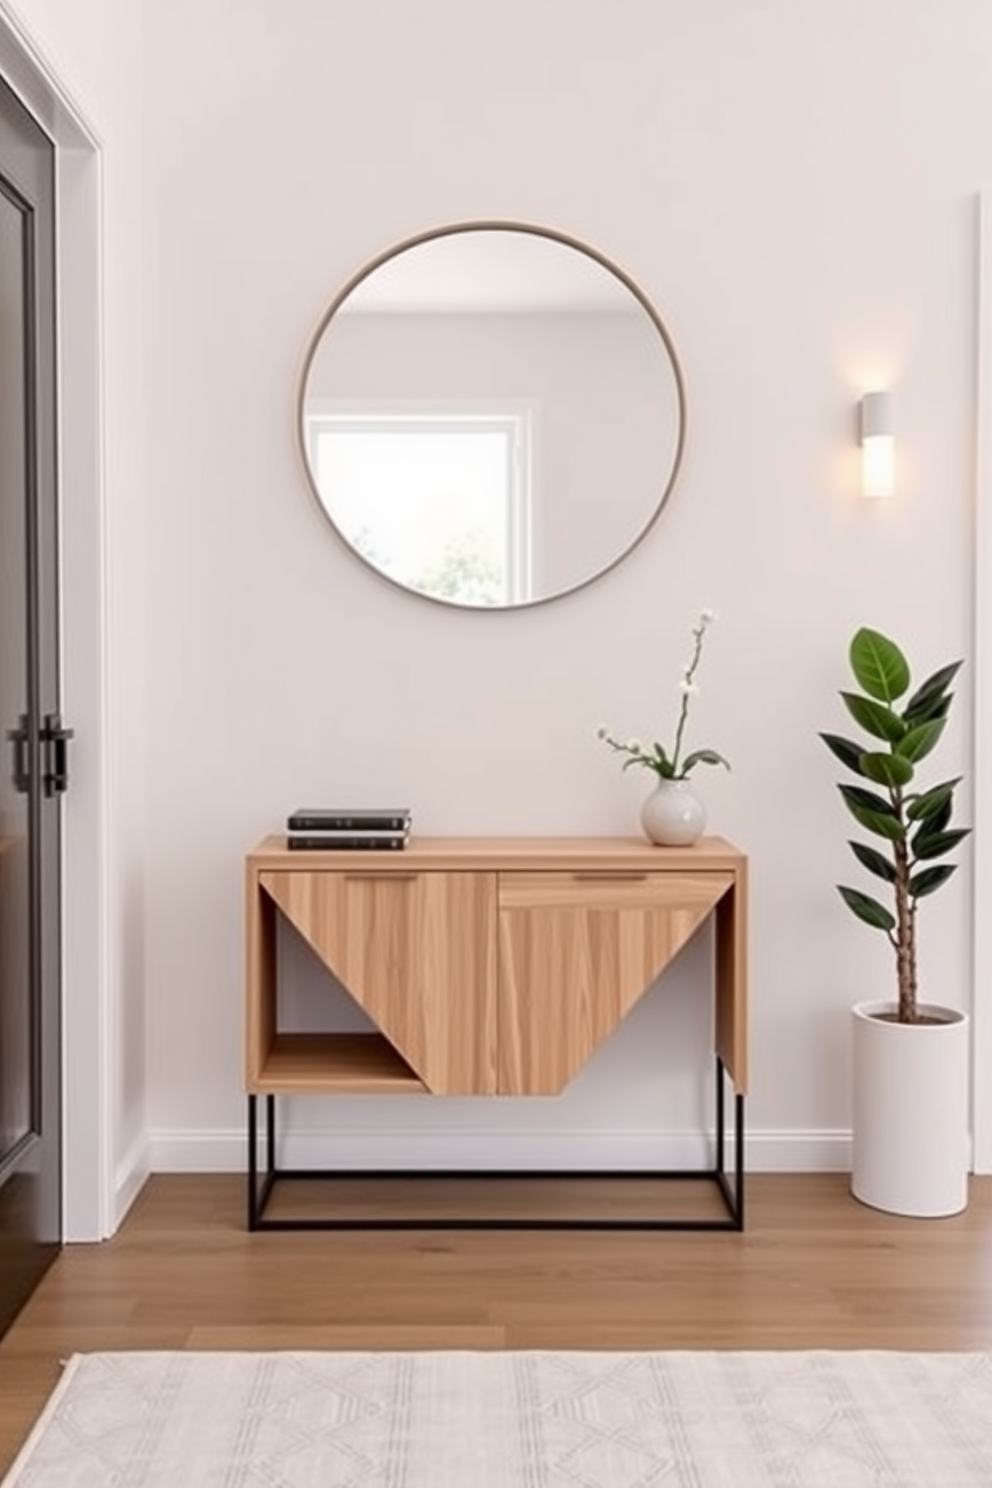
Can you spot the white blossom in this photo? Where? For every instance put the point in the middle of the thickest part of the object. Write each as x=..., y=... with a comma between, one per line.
x=634, y=746
x=603, y=732
x=707, y=617
x=690, y=688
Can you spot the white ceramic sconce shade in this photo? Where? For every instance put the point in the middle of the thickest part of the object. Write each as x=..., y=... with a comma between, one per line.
x=877, y=445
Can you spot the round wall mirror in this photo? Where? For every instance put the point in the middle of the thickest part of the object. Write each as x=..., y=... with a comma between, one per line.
x=492, y=414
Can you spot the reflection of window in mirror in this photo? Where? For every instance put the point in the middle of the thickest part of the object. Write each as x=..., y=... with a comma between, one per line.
x=488, y=318
x=435, y=499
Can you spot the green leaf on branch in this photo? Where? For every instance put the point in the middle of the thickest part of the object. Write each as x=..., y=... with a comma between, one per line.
x=939, y=822
x=644, y=760
x=856, y=795
x=872, y=812
x=878, y=665
x=939, y=708
x=932, y=801
x=931, y=693
x=845, y=750
x=921, y=739
x=703, y=757
x=875, y=718
x=936, y=844
x=887, y=769
x=874, y=861
x=867, y=909
x=929, y=879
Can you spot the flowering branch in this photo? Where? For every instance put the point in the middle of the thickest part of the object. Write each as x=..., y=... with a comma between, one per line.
x=672, y=767
x=687, y=686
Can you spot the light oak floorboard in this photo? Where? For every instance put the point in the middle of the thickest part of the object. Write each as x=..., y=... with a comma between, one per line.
x=814, y=1269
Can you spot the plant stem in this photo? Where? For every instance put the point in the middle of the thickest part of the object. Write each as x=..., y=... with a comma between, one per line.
x=905, y=923
x=690, y=672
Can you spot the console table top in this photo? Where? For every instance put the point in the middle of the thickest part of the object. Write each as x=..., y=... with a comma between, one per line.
x=522, y=854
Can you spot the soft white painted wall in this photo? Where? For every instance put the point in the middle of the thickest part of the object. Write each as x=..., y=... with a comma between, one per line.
x=794, y=187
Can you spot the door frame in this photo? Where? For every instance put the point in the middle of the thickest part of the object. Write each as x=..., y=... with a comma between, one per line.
x=982, y=737
x=89, y=913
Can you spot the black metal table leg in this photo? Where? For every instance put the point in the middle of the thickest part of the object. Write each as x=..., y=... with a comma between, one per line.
x=733, y=1195
x=730, y=1185
x=258, y=1192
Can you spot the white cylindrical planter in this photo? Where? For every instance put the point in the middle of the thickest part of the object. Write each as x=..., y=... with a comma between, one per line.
x=910, y=1115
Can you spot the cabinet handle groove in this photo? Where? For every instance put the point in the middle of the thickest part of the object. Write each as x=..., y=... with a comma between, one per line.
x=609, y=877
x=383, y=877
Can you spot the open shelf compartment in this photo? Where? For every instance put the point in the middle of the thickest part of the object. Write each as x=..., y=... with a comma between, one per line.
x=308, y=1063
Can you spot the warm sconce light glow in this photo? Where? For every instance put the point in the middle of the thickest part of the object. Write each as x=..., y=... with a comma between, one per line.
x=877, y=445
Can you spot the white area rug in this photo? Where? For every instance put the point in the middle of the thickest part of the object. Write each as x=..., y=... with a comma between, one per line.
x=515, y=1420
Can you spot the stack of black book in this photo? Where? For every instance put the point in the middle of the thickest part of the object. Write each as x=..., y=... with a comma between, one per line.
x=367, y=828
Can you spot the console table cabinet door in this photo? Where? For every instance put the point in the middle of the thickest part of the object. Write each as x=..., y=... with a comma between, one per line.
x=417, y=951
x=576, y=952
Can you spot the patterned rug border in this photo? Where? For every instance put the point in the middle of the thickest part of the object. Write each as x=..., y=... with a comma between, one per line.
x=555, y=1419
x=70, y=1367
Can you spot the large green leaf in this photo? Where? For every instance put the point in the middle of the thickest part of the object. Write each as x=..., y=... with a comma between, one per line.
x=936, y=844
x=874, y=814
x=874, y=861
x=879, y=665
x=921, y=739
x=886, y=769
x=929, y=879
x=932, y=801
x=845, y=750
x=939, y=708
x=938, y=822
x=930, y=693
x=867, y=909
x=856, y=795
x=875, y=718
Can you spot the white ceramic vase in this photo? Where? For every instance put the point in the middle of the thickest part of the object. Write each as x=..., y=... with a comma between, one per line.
x=673, y=815
x=910, y=1111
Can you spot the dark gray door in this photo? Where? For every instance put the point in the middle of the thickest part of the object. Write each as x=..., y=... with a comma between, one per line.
x=31, y=737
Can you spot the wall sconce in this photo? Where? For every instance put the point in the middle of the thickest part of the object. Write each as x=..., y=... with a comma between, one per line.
x=877, y=445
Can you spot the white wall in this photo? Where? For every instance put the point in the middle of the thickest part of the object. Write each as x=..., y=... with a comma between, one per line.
x=794, y=188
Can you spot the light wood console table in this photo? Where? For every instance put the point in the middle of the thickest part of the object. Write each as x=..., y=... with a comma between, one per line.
x=490, y=966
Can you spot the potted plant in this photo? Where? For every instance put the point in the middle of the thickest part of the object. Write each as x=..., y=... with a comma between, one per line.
x=910, y=1056
x=673, y=815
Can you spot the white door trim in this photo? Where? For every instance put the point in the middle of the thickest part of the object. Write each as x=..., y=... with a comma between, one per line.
x=982, y=744
x=89, y=1081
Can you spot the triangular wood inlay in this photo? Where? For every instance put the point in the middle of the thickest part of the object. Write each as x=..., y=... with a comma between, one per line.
x=416, y=951
x=576, y=954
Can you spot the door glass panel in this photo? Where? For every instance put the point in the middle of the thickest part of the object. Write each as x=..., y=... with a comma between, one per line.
x=30, y=957
x=16, y=1054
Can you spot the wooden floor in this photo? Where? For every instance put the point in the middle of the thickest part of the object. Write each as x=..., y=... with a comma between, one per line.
x=814, y=1269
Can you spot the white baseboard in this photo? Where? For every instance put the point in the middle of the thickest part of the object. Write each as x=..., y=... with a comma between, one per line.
x=130, y=1176
x=220, y=1151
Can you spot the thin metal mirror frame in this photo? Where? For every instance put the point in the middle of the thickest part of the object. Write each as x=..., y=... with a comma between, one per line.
x=494, y=225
